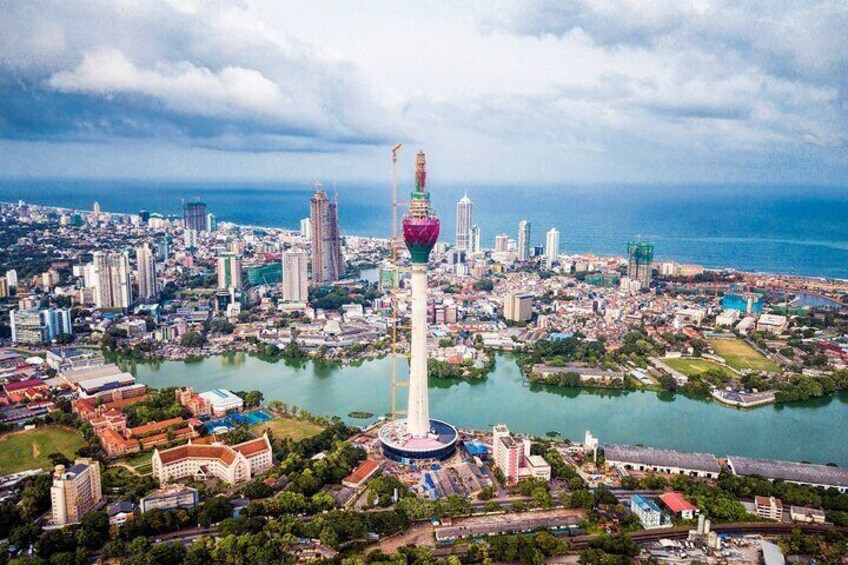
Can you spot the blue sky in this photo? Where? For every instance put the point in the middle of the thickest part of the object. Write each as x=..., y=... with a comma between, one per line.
x=495, y=92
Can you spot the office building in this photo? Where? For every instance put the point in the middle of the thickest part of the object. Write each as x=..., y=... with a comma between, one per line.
x=647, y=511
x=552, y=246
x=170, y=497
x=295, y=280
x=143, y=216
x=211, y=223
x=229, y=271
x=518, y=306
x=474, y=243
x=4, y=287
x=523, y=240
x=27, y=326
x=75, y=491
x=640, y=255
x=501, y=243
x=327, y=260
x=146, y=271
x=464, y=221
x=12, y=278
x=109, y=275
x=194, y=215
x=96, y=208
x=306, y=228
x=56, y=321
x=514, y=459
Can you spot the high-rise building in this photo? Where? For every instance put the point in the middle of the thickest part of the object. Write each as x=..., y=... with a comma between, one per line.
x=327, y=260
x=640, y=255
x=4, y=287
x=27, y=326
x=501, y=243
x=96, y=208
x=523, y=240
x=194, y=215
x=211, y=223
x=419, y=437
x=12, y=278
x=146, y=271
x=110, y=278
x=464, y=221
x=143, y=216
x=518, y=306
x=474, y=244
x=229, y=271
x=306, y=228
x=295, y=281
x=552, y=245
x=56, y=321
x=190, y=239
x=75, y=491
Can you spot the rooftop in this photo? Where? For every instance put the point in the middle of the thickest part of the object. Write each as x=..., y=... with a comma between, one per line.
x=661, y=457
x=790, y=471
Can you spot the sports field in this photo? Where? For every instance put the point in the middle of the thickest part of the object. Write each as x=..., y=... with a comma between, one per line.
x=742, y=356
x=287, y=427
x=29, y=450
x=692, y=367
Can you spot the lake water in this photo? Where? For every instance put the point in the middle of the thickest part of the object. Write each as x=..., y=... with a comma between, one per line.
x=782, y=229
x=812, y=430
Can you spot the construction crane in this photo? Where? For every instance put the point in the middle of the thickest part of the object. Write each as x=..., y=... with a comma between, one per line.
x=394, y=243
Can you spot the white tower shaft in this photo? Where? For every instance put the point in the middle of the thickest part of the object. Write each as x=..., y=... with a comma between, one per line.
x=418, y=411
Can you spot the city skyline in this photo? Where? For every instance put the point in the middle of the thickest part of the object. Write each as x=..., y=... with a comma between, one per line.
x=678, y=92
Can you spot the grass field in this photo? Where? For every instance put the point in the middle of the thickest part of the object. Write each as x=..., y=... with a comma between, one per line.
x=691, y=367
x=29, y=450
x=137, y=459
x=741, y=356
x=288, y=427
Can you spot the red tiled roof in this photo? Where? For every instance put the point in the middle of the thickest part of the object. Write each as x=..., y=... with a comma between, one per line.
x=191, y=451
x=252, y=447
x=676, y=503
x=23, y=385
x=367, y=468
x=154, y=426
x=764, y=501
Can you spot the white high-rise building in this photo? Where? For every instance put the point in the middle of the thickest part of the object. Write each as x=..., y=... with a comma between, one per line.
x=464, y=221
x=12, y=278
x=110, y=278
x=501, y=243
x=552, y=245
x=474, y=244
x=146, y=271
x=306, y=228
x=295, y=279
x=190, y=239
x=75, y=491
x=523, y=240
x=96, y=208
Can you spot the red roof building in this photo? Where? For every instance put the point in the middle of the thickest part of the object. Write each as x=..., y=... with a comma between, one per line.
x=678, y=505
x=361, y=474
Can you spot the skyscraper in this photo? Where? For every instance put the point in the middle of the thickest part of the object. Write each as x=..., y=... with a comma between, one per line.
x=523, y=240
x=229, y=271
x=194, y=215
x=552, y=245
x=110, y=279
x=295, y=282
x=464, y=221
x=327, y=260
x=474, y=244
x=306, y=227
x=146, y=271
x=640, y=255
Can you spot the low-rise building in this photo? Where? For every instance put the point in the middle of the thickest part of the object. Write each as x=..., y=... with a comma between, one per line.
x=806, y=515
x=647, y=511
x=170, y=497
x=678, y=505
x=769, y=507
x=361, y=474
x=791, y=472
x=668, y=461
x=232, y=464
x=223, y=401
x=199, y=406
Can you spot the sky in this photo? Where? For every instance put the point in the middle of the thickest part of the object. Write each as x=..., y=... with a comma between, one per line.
x=535, y=91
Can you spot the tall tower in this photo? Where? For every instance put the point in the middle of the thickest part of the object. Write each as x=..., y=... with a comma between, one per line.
x=295, y=287
x=194, y=215
x=464, y=221
x=552, y=245
x=523, y=240
x=327, y=261
x=420, y=232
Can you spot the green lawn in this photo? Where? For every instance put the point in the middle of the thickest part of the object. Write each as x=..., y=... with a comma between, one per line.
x=288, y=427
x=691, y=367
x=741, y=356
x=136, y=459
x=29, y=450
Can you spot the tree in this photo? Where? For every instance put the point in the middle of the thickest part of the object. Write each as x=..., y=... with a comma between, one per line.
x=192, y=339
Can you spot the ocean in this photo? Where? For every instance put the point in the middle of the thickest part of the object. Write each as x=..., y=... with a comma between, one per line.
x=781, y=229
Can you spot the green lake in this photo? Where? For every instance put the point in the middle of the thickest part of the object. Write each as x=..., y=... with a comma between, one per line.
x=812, y=430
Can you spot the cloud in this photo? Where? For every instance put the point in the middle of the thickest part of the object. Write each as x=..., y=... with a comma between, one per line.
x=192, y=72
